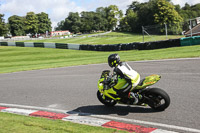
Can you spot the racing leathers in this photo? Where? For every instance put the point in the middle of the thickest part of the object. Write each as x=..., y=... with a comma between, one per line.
x=123, y=70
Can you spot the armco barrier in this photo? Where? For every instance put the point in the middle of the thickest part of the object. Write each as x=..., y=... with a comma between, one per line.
x=188, y=41
x=49, y=45
x=28, y=44
x=128, y=46
x=61, y=46
x=11, y=44
x=38, y=44
x=141, y=46
x=84, y=47
x=175, y=42
x=20, y=44
x=196, y=40
x=112, y=47
x=3, y=43
x=91, y=47
x=74, y=46
x=160, y=44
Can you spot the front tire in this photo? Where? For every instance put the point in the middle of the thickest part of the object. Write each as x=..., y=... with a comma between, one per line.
x=158, y=99
x=107, y=101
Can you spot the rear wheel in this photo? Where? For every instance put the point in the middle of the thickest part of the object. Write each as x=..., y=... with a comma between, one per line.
x=107, y=101
x=158, y=99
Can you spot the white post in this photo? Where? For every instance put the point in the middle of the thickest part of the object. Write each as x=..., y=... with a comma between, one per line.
x=166, y=30
x=190, y=27
x=143, y=32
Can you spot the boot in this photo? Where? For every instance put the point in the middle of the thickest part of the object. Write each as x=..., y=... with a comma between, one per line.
x=134, y=97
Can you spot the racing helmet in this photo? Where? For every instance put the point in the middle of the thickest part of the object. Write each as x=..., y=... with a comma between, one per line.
x=113, y=60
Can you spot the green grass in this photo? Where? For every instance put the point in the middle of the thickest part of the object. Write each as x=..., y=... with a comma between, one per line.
x=11, y=123
x=116, y=39
x=13, y=59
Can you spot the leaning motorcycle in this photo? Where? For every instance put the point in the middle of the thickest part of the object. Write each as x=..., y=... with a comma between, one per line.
x=110, y=93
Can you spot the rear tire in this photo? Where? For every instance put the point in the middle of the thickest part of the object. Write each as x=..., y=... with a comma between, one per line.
x=107, y=101
x=159, y=99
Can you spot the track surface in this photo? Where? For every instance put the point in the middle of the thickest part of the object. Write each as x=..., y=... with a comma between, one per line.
x=74, y=89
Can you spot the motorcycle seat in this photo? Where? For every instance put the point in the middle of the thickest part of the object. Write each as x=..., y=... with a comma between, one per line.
x=141, y=82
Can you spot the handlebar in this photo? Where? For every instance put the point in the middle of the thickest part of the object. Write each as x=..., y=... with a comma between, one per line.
x=109, y=81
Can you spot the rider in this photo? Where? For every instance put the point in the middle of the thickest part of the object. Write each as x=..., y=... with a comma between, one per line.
x=123, y=70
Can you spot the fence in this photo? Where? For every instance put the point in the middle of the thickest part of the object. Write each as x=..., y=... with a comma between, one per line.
x=188, y=28
x=165, y=31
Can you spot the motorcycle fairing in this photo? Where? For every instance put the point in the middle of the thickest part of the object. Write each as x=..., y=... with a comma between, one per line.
x=111, y=93
x=149, y=80
x=122, y=83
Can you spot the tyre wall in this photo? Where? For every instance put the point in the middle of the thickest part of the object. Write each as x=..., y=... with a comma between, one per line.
x=188, y=41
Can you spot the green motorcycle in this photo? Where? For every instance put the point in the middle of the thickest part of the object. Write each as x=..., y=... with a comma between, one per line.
x=110, y=93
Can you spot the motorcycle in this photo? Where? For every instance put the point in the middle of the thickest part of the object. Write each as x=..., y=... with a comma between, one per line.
x=110, y=93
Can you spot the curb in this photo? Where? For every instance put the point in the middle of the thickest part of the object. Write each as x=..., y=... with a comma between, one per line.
x=83, y=120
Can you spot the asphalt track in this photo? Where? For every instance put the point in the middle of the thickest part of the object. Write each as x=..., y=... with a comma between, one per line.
x=74, y=89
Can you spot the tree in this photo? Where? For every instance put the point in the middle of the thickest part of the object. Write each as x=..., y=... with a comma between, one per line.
x=31, y=23
x=186, y=7
x=44, y=23
x=124, y=26
x=145, y=14
x=60, y=25
x=101, y=11
x=72, y=22
x=129, y=22
x=177, y=8
x=16, y=24
x=87, y=21
x=103, y=22
x=3, y=26
x=165, y=13
x=151, y=13
x=189, y=12
x=113, y=14
x=103, y=19
x=135, y=6
x=92, y=21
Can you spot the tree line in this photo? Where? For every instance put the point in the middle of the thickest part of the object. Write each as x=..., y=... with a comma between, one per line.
x=104, y=19
x=153, y=12
x=30, y=24
x=137, y=14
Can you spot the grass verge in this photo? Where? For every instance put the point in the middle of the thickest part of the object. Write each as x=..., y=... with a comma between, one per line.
x=15, y=59
x=11, y=123
x=112, y=38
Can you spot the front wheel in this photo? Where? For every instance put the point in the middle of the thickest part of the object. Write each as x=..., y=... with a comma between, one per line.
x=107, y=101
x=158, y=99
